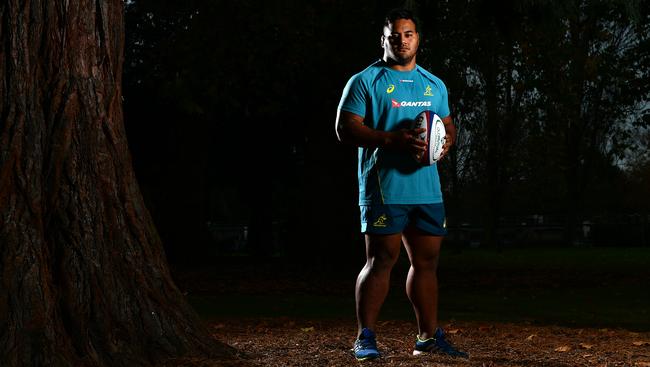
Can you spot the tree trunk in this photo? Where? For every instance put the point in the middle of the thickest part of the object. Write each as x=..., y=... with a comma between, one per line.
x=83, y=278
x=493, y=189
x=574, y=105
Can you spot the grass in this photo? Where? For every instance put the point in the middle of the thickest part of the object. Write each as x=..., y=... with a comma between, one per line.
x=596, y=287
x=599, y=259
x=618, y=307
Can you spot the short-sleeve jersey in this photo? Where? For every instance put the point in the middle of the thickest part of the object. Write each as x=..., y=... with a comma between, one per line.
x=390, y=100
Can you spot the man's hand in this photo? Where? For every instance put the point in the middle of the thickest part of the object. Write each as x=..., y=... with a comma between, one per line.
x=446, y=146
x=450, y=136
x=406, y=140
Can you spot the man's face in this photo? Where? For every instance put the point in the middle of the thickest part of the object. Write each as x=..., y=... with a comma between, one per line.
x=400, y=41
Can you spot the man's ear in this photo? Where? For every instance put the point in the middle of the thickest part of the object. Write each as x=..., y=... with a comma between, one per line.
x=382, y=39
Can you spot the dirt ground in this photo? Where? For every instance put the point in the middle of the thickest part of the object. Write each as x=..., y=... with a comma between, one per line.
x=288, y=342
x=326, y=341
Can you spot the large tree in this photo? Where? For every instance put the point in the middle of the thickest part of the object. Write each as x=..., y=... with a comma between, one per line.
x=83, y=277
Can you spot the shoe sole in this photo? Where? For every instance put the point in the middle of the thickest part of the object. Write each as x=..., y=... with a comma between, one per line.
x=420, y=352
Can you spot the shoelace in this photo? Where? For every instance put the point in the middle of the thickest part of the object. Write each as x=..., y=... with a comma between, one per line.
x=364, y=343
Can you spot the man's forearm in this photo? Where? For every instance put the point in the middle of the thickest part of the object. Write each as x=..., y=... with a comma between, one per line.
x=363, y=136
x=350, y=129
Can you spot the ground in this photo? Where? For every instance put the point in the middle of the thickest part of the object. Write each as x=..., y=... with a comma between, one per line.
x=531, y=307
x=287, y=342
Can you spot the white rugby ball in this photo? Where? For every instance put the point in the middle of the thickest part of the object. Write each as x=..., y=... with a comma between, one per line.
x=434, y=136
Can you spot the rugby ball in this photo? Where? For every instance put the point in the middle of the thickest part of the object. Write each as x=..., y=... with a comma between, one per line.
x=434, y=136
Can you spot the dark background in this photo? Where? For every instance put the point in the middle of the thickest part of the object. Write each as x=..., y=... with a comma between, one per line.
x=230, y=109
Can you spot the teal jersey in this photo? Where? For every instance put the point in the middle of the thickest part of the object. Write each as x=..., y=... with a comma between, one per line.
x=389, y=100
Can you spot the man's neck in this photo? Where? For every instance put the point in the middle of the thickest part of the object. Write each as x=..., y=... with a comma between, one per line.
x=400, y=67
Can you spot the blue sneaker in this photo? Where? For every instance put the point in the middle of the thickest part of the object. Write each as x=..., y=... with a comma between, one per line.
x=366, y=346
x=437, y=344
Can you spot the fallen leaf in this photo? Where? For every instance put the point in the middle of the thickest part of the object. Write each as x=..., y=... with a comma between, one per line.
x=604, y=330
x=564, y=348
x=640, y=343
x=452, y=331
x=307, y=329
x=587, y=355
x=531, y=337
x=642, y=364
x=484, y=328
x=586, y=346
x=261, y=329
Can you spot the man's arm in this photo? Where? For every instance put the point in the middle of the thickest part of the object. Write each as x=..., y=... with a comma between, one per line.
x=350, y=129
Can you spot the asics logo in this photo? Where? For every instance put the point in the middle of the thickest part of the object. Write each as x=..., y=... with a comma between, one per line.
x=396, y=104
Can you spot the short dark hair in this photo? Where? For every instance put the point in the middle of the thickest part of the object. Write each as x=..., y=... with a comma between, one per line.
x=400, y=13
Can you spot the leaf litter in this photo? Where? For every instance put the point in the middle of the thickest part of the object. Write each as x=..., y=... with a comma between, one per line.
x=327, y=342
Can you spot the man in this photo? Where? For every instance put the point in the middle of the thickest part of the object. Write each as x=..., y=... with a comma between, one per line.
x=400, y=200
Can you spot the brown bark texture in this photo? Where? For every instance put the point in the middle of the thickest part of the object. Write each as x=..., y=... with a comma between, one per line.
x=83, y=277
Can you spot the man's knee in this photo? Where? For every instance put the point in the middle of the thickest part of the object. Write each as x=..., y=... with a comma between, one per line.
x=425, y=262
x=382, y=262
x=382, y=251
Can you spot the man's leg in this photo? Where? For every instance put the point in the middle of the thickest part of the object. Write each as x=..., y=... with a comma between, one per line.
x=373, y=281
x=422, y=282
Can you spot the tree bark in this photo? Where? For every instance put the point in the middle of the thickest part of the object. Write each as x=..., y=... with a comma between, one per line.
x=493, y=189
x=575, y=128
x=84, y=280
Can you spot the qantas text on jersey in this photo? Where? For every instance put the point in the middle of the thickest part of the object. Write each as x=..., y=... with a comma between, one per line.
x=397, y=104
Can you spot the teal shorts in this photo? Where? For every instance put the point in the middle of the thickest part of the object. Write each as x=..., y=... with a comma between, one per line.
x=393, y=218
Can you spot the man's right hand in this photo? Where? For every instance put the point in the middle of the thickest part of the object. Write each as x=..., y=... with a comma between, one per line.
x=406, y=140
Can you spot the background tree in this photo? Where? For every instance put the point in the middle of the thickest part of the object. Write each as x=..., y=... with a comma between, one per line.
x=84, y=281
x=232, y=102
x=549, y=97
x=594, y=89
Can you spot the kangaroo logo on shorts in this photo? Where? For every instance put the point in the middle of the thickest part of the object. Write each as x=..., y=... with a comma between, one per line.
x=381, y=221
